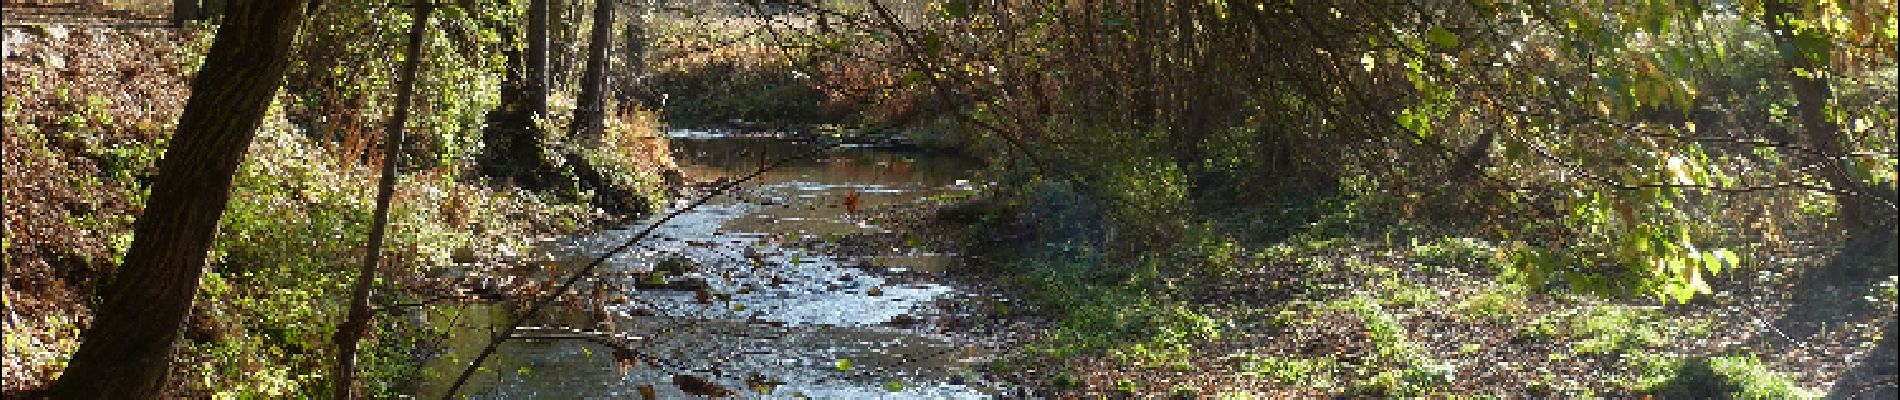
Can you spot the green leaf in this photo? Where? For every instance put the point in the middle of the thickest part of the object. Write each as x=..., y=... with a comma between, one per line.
x=844, y=364
x=1727, y=258
x=1711, y=262
x=1442, y=37
x=1814, y=45
x=894, y=385
x=956, y=9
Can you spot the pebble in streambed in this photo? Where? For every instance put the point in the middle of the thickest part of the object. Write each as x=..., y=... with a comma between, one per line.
x=740, y=309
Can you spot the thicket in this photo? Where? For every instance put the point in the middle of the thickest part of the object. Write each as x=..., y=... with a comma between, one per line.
x=1617, y=149
x=1633, y=150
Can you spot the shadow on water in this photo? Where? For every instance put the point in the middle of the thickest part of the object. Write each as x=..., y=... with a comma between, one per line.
x=719, y=295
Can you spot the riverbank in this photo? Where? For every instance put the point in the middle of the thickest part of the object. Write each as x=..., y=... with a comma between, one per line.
x=1357, y=302
x=87, y=112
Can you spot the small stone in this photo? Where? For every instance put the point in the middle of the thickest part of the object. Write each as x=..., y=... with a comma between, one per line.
x=463, y=255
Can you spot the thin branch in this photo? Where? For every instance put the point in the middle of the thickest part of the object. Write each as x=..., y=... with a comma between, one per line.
x=357, y=324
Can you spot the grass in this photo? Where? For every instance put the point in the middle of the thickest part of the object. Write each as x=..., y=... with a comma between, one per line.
x=1457, y=253
x=1502, y=303
x=1314, y=371
x=1119, y=310
x=1400, y=367
x=1610, y=329
x=1411, y=295
x=1739, y=376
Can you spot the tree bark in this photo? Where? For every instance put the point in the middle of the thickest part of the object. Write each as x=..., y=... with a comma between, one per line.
x=1818, y=131
x=357, y=325
x=588, y=122
x=537, y=59
x=184, y=11
x=126, y=352
x=512, y=140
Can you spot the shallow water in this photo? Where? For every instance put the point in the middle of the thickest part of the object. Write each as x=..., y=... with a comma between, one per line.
x=752, y=313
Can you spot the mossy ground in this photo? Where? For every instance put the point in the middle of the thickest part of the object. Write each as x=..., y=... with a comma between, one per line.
x=1356, y=306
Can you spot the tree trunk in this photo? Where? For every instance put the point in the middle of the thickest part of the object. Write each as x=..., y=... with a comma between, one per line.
x=353, y=329
x=511, y=140
x=126, y=352
x=537, y=59
x=588, y=122
x=633, y=46
x=1818, y=131
x=184, y=11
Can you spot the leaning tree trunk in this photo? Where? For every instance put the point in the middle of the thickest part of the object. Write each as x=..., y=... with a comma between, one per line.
x=126, y=352
x=357, y=325
x=588, y=124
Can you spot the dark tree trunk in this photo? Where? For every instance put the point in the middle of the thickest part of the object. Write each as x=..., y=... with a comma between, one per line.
x=353, y=329
x=1189, y=101
x=1818, y=131
x=184, y=11
x=588, y=116
x=126, y=352
x=537, y=58
x=512, y=140
x=634, y=46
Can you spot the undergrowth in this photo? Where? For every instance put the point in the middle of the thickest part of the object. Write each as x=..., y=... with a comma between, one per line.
x=290, y=240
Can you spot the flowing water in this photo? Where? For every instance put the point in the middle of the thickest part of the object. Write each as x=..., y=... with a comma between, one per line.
x=740, y=305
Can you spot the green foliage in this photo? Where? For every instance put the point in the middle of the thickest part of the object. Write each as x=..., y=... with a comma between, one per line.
x=1612, y=329
x=1886, y=291
x=1410, y=295
x=1289, y=370
x=1413, y=381
x=1388, y=334
x=1143, y=192
x=1655, y=256
x=1742, y=377
x=716, y=93
x=288, y=247
x=343, y=74
x=1501, y=304
x=1128, y=324
x=1458, y=253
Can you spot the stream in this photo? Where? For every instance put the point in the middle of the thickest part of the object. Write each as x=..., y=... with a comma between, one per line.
x=736, y=294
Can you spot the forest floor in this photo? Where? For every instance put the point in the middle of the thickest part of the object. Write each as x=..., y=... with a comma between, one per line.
x=87, y=111
x=68, y=213
x=1417, y=312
